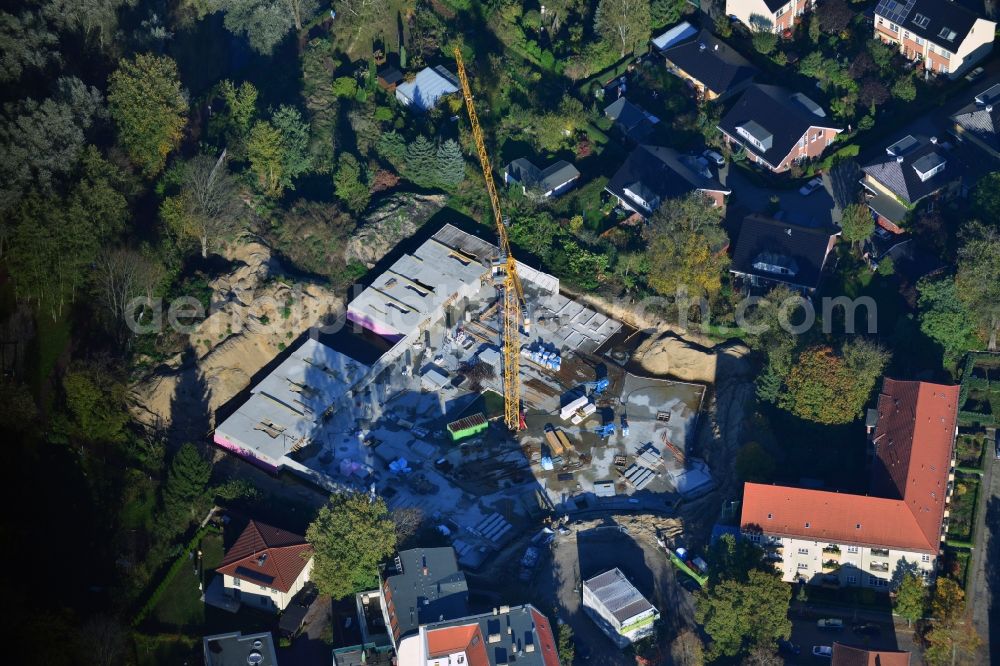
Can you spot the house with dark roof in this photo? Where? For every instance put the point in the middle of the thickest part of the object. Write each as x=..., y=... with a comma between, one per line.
x=419, y=586
x=618, y=608
x=911, y=169
x=849, y=655
x=771, y=15
x=770, y=252
x=631, y=120
x=389, y=77
x=235, y=649
x=266, y=567
x=508, y=635
x=654, y=174
x=712, y=68
x=945, y=36
x=833, y=538
x=551, y=181
x=979, y=121
x=777, y=127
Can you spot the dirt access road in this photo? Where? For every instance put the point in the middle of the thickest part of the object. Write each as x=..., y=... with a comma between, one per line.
x=593, y=548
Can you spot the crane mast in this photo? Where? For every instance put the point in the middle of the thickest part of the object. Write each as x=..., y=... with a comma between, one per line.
x=504, y=271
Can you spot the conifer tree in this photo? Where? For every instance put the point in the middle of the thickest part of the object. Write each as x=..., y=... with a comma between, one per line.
x=450, y=164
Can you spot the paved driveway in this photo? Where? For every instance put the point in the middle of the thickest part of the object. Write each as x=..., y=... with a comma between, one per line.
x=816, y=209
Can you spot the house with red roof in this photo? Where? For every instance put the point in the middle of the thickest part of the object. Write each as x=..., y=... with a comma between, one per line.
x=826, y=537
x=520, y=634
x=849, y=655
x=266, y=567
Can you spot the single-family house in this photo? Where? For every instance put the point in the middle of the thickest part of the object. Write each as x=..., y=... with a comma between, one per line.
x=618, y=608
x=551, y=181
x=835, y=538
x=631, y=120
x=770, y=15
x=507, y=635
x=778, y=127
x=266, y=567
x=851, y=655
x=427, y=88
x=712, y=68
x=235, y=649
x=910, y=170
x=770, y=252
x=419, y=586
x=654, y=174
x=945, y=36
x=979, y=121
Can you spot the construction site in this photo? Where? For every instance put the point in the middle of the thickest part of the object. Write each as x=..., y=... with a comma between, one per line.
x=465, y=385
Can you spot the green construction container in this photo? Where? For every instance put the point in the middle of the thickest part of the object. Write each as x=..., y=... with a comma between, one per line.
x=468, y=426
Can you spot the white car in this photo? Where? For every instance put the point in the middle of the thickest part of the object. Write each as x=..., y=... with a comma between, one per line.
x=811, y=186
x=824, y=651
x=713, y=156
x=975, y=75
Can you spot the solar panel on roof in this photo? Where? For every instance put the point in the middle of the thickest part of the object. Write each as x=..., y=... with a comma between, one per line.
x=893, y=10
x=255, y=575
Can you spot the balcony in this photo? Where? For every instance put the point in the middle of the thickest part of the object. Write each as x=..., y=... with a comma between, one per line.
x=832, y=552
x=881, y=567
x=880, y=552
x=833, y=565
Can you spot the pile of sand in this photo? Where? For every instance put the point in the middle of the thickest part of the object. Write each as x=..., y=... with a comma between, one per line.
x=256, y=313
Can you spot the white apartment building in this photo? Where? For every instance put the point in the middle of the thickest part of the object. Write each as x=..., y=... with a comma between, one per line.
x=832, y=538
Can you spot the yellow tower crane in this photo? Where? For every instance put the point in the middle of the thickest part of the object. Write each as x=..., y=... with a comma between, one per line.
x=504, y=272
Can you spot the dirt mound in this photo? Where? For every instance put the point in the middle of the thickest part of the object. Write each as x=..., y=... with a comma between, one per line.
x=393, y=221
x=255, y=314
x=682, y=359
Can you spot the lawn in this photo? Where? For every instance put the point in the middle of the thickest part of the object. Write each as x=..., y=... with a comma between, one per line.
x=180, y=606
x=969, y=450
x=165, y=649
x=963, y=508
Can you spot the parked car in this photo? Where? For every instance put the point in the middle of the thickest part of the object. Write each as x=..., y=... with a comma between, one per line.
x=882, y=232
x=830, y=624
x=823, y=651
x=867, y=629
x=975, y=75
x=810, y=187
x=715, y=157
x=788, y=648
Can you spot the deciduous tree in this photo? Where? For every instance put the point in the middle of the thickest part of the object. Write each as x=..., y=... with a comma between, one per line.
x=834, y=16
x=96, y=403
x=986, y=198
x=686, y=247
x=265, y=22
x=978, y=279
x=944, y=317
x=44, y=141
x=625, y=23
x=827, y=387
x=149, y=109
x=26, y=43
x=266, y=158
x=911, y=598
x=739, y=615
x=210, y=207
x=351, y=536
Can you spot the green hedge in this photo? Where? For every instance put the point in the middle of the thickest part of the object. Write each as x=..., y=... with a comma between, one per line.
x=174, y=569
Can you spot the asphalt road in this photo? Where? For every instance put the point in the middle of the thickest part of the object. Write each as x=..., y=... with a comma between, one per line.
x=985, y=565
x=806, y=634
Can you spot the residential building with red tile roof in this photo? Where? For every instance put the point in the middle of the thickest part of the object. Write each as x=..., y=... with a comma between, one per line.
x=845, y=539
x=847, y=655
x=521, y=634
x=266, y=566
